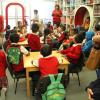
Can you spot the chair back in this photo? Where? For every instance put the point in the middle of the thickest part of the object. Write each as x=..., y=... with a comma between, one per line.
x=81, y=62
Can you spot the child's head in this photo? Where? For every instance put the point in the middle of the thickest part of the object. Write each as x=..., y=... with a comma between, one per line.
x=57, y=7
x=74, y=31
x=19, y=23
x=14, y=38
x=35, y=11
x=97, y=27
x=47, y=31
x=46, y=50
x=8, y=27
x=35, y=28
x=87, y=19
x=23, y=29
x=61, y=28
x=83, y=33
x=78, y=38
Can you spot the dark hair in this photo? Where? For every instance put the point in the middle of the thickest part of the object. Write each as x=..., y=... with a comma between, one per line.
x=83, y=33
x=63, y=27
x=97, y=27
x=46, y=50
x=47, y=31
x=35, y=28
x=75, y=30
x=14, y=38
x=36, y=10
x=88, y=18
x=78, y=38
x=8, y=27
x=57, y=6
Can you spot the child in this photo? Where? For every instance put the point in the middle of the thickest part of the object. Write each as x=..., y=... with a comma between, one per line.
x=45, y=37
x=73, y=53
x=17, y=68
x=47, y=64
x=33, y=39
x=22, y=33
x=3, y=77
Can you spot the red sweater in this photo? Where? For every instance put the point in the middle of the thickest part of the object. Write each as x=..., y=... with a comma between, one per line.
x=57, y=14
x=3, y=64
x=34, y=42
x=73, y=53
x=48, y=65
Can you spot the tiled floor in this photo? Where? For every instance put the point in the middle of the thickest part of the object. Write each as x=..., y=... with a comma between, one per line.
x=74, y=91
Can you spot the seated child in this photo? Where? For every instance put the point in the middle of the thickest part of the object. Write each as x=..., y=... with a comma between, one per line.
x=47, y=64
x=22, y=33
x=14, y=38
x=73, y=53
x=34, y=39
x=3, y=77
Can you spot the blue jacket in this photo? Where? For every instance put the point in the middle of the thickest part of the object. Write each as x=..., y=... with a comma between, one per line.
x=88, y=45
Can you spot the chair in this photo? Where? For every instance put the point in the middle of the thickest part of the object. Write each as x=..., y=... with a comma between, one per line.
x=78, y=67
x=15, y=76
x=44, y=82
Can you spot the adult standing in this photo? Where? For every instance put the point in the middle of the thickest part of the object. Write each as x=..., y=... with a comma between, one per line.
x=36, y=16
x=57, y=14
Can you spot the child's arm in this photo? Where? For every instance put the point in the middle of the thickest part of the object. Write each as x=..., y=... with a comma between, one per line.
x=24, y=50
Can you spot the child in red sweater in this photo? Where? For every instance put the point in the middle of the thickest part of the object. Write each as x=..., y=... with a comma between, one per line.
x=19, y=68
x=3, y=77
x=33, y=39
x=73, y=53
x=47, y=64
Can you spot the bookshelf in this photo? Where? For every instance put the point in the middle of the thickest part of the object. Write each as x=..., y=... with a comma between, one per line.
x=70, y=8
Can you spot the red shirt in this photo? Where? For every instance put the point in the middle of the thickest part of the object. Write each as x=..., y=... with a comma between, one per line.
x=48, y=65
x=57, y=14
x=34, y=42
x=3, y=64
x=73, y=53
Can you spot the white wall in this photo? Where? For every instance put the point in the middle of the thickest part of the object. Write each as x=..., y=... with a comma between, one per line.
x=45, y=8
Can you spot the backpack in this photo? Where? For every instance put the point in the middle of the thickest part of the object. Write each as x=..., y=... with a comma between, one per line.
x=55, y=91
x=14, y=55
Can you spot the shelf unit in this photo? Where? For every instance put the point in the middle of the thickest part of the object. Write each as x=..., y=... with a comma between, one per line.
x=69, y=7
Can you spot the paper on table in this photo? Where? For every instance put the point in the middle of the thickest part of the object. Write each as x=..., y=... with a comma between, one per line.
x=35, y=63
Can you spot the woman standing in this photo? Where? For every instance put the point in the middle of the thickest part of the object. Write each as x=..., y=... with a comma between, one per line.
x=57, y=14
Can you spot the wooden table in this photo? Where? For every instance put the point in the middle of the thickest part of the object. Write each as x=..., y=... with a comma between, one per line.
x=36, y=55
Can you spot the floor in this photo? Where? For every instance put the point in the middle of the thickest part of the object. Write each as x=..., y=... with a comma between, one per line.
x=74, y=91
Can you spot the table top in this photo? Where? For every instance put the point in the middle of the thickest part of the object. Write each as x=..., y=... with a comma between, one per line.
x=36, y=55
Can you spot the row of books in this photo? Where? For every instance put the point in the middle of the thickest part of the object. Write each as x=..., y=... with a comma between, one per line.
x=97, y=10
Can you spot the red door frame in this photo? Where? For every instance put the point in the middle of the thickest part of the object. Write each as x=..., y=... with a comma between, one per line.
x=11, y=4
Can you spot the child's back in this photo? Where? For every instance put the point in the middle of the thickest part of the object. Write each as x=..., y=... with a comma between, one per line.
x=48, y=65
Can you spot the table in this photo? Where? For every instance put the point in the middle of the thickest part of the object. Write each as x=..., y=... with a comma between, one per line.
x=36, y=55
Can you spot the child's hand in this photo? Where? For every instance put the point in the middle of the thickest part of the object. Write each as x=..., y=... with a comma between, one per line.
x=28, y=54
x=90, y=93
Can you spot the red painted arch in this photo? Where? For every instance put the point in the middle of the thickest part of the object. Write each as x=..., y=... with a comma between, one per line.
x=79, y=16
x=11, y=4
